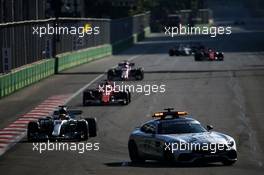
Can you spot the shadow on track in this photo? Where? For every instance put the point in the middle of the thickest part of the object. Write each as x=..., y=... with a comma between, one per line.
x=155, y=164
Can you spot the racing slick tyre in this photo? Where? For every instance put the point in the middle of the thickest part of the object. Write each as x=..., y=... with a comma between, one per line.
x=168, y=156
x=90, y=95
x=83, y=130
x=84, y=99
x=228, y=162
x=198, y=57
x=129, y=97
x=126, y=99
x=85, y=96
x=92, y=127
x=110, y=75
x=32, y=129
x=171, y=52
x=220, y=57
x=133, y=153
x=139, y=74
x=178, y=53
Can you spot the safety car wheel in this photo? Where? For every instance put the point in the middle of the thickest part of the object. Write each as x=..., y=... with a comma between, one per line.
x=133, y=153
x=168, y=156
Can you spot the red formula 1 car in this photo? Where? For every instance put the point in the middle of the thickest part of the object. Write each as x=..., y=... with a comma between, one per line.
x=106, y=94
x=205, y=54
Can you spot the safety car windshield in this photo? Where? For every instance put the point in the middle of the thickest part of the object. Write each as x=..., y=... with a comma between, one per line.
x=180, y=128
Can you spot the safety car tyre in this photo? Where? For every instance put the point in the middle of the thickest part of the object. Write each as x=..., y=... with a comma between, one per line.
x=133, y=153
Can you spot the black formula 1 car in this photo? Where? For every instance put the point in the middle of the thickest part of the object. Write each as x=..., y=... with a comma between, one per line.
x=185, y=49
x=125, y=71
x=62, y=125
x=205, y=54
x=106, y=94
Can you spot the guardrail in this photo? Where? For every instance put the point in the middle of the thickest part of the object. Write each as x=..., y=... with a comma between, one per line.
x=28, y=75
x=68, y=60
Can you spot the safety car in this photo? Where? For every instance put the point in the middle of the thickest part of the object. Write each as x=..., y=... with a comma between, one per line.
x=173, y=136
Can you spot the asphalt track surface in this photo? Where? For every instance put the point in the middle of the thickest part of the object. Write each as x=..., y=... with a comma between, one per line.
x=227, y=95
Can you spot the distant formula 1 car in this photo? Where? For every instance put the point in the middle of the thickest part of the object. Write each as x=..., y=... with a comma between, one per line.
x=208, y=55
x=125, y=71
x=106, y=94
x=180, y=50
x=185, y=49
x=62, y=125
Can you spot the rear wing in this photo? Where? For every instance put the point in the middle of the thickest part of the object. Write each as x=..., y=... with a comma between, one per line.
x=122, y=64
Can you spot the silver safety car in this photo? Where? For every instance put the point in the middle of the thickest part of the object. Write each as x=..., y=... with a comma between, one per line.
x=172, y=136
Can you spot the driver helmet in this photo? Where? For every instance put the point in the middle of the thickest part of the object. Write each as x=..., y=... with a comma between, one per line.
x=126, y=63
x=63, y=110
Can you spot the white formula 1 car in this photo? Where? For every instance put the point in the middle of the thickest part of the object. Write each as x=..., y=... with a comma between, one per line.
x=62, y=125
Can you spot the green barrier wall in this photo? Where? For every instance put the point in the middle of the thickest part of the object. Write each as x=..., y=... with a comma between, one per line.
x=68, y=60
x=16, y=80
x=126, y=43
x=122, y=45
